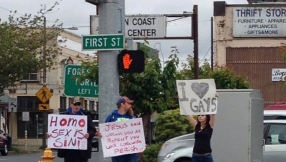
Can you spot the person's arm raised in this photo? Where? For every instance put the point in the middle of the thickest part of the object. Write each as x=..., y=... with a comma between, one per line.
x=192, y=120
x=212, y=120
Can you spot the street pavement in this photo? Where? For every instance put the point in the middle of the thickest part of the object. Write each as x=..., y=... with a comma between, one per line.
x=35, y=157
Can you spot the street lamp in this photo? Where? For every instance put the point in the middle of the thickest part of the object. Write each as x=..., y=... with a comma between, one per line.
x=69, y=60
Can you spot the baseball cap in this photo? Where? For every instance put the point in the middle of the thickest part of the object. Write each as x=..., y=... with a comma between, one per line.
x=124, y=99
x=75, y=100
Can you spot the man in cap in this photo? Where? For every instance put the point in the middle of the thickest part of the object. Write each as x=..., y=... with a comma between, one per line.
x=71, y=155
x=124, y=112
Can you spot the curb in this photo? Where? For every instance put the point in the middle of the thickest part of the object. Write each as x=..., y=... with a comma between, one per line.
x=24, y=152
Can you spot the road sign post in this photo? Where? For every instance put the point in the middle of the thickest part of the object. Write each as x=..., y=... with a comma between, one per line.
x=103, y=42
x=110, y=16
x=75, y=87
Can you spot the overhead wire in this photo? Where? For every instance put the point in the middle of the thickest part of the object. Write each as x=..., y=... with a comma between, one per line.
x=205, y=55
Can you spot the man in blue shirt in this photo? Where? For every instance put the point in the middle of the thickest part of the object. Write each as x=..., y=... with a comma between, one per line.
x=124, y=112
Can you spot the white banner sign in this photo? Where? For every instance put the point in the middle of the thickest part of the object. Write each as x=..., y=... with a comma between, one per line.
x=138, y=26
x=120, y=138
x=197, y=96
x=278, y=75
x=259, y=21
x=67, y=132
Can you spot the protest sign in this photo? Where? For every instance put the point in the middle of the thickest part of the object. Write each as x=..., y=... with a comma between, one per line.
x=120, y=138
x=67, y=131
x=197, y=96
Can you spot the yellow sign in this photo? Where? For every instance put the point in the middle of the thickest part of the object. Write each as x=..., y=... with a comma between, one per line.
x=44, y=107
x=44, y=94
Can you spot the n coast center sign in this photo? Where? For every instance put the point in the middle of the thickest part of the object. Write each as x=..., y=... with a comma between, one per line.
x=259, y=21
x=139, y=26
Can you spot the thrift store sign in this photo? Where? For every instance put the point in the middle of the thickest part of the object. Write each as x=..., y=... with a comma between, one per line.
x=197, y=96
x=120, y=138
x=67, y=131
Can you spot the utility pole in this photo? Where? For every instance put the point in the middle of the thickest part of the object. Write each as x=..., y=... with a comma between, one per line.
x=110, y=22
x=212, y=44
x=129, y=41
x=45, y=114
x=196, y=41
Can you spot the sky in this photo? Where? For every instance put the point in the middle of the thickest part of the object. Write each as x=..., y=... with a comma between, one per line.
x=75, y=13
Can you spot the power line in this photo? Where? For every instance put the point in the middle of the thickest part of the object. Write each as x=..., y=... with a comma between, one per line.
x=205, y=55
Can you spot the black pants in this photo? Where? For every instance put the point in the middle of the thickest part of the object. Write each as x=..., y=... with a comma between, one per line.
x=75, y=160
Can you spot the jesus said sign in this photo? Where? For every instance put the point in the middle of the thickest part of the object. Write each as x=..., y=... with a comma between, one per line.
x=67, y=131
x=197, y=96
x=120, y=138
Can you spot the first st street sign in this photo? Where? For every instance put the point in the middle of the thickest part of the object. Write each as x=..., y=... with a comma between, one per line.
x=75, y=87
x=103, y=42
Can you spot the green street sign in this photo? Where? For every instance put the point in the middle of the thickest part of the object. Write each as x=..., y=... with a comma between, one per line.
x=103, y=42
x=72, y=85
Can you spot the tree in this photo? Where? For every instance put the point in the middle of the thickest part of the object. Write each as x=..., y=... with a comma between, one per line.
x=145, y=88
x=21, y=45
x=169, y=124
x=225, y=78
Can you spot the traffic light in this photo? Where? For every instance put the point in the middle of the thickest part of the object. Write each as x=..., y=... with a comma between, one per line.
x=131, y=61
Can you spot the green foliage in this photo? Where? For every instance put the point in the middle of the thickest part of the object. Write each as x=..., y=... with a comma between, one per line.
x=225, y=78
x=170, y=124
x=92, y=66
x=168, y=80
x=21, y=46
x=151, y=152
x=145, y=87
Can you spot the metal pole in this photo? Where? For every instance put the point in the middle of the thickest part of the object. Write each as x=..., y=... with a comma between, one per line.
x=122, y=15
x=26, y=137
x=45, y=114
x=212, y=44
x=37, y=130
x=10, y=125
x=109, y=23
x=196, y=42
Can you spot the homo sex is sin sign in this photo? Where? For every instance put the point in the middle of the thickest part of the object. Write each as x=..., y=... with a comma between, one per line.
x=197, y=96
x=67, y=131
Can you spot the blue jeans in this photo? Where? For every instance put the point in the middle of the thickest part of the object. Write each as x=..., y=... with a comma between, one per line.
x=197, y=158
x=125, y=158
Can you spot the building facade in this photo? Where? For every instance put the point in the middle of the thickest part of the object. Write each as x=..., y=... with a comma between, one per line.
x=33, y=82
x=249, y=38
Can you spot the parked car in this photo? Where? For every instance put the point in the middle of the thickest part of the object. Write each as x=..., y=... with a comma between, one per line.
x=274, y=114
x=5, y=143
x=95, y=138
x=179, y=149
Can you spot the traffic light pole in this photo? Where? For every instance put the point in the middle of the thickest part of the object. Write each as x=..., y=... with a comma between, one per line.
x=109, y=23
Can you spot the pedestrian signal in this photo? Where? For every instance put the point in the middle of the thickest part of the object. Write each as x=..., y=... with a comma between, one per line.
x=131, y=61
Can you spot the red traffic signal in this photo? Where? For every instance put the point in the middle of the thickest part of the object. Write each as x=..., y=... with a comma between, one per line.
x=131, y=61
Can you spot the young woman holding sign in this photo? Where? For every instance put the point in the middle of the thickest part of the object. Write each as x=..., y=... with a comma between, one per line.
x=203, y=133
x=203, y=126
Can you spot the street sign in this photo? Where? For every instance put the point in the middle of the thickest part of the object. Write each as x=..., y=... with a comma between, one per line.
x=25, y=116
x=12, y=105
x=44, y=94
x=44, y=107
x=73, y=87
x=139, y=26
x=103, y=42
